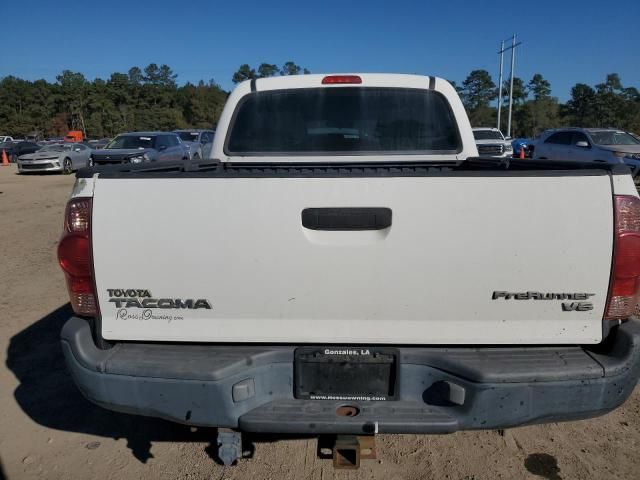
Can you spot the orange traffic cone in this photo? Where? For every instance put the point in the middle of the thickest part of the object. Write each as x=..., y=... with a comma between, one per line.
x=5, y=160
x=521, y=151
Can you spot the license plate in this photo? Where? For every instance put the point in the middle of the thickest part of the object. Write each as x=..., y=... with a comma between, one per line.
x=345, y=373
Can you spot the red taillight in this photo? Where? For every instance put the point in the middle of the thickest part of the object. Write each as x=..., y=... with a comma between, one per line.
x=625, y=276
x=74, y=255
x=341, y=79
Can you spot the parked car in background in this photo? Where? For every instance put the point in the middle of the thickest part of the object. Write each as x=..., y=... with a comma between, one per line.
x=16, y=149
x=5, y=138
x=64, y=158
x=98, y=143
x=50, y=141
x=518, y=144
x=590, y=145
x=198, y=141
x=140, y=147
x=7, y=146
x=35, y=136
x=491, y=143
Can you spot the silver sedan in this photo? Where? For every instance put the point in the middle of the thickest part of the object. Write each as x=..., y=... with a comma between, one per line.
x=61, y=157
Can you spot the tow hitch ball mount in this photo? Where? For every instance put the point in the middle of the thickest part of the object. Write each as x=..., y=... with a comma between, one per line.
x=346, y=450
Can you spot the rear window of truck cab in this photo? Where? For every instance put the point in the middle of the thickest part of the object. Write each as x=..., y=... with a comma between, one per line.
x=347, y=120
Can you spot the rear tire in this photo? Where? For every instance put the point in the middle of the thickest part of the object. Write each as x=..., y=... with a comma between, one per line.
x=67, y=166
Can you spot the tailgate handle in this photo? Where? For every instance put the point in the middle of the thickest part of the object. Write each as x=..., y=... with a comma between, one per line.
x=346, y=218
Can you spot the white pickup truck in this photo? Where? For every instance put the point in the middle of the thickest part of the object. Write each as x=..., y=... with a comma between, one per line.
x=491, y=143
x=342, y=264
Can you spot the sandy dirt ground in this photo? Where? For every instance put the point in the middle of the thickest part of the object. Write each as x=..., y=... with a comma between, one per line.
x=48, y=430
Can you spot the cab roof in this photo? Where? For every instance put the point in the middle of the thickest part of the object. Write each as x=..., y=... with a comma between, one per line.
x=365, y=80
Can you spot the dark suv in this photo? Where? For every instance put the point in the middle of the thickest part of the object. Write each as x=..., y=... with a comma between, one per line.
x=141, y=147
x=15, y=149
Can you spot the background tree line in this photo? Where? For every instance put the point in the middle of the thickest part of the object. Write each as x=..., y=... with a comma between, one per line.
x=150, y=99
x=608, y=104
x=245, y=72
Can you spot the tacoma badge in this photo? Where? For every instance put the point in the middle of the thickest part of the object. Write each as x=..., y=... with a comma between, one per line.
x=141, y=298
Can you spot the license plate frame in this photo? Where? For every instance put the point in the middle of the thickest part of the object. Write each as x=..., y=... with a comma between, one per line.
x=346, y=373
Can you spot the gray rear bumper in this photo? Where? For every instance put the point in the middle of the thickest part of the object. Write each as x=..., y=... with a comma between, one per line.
x=441, y=389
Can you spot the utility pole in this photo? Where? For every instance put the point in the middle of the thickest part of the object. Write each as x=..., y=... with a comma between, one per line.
x=501, y=52
x=513, y=62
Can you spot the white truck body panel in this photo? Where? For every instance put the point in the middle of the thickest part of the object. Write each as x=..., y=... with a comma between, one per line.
x=623, y=185
x=428, y=279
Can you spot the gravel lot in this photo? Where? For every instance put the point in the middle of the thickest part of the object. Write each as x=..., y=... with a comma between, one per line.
x=48, y=430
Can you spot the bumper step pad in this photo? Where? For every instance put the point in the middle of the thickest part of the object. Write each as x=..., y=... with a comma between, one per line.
x=309, y=416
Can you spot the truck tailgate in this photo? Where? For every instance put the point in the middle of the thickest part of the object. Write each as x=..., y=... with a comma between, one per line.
x=238, y=246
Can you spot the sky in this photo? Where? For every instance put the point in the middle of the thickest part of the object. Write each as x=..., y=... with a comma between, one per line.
x=566, y=41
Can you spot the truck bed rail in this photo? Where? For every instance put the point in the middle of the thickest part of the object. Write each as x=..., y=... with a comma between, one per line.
x=475, y=166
